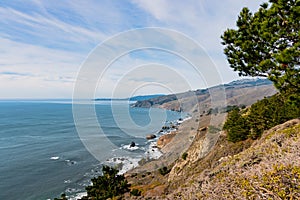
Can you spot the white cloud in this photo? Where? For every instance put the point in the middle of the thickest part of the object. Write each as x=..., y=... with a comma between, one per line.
x=47, y=29
x=40, y=46
x=204, y=20
x=45, y=72
x=154, y=46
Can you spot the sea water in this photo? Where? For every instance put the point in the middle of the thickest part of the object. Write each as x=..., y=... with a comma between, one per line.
x=42, y=155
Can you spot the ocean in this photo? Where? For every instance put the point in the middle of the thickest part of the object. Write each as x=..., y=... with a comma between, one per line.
x=43, y=156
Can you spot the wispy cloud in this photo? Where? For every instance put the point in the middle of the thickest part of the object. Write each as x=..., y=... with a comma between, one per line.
x=25, y=70
x=44, y=43
x=14, y=74
x=204, y=21
x=70, y=25
x=46, y=31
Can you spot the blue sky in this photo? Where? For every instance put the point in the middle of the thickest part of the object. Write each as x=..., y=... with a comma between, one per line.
x=45, y=43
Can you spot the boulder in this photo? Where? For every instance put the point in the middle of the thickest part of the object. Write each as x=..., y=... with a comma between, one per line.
x=150, y=136
x=132, y=144
x=165, y=139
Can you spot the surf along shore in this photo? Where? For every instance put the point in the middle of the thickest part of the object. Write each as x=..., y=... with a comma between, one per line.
x=170, y=144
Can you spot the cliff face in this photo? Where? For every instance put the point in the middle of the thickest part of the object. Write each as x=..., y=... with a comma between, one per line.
x=203, y=164
x=155, y=101
x=201, y=146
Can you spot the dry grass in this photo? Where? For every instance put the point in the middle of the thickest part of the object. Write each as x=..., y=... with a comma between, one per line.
x=270, y=169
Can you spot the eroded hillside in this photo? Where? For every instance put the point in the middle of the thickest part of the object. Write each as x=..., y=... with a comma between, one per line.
x=268, y=168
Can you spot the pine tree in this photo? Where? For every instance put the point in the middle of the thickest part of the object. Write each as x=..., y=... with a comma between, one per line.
x=267, y=44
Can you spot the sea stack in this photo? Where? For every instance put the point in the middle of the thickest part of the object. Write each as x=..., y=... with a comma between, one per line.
x=132, y=144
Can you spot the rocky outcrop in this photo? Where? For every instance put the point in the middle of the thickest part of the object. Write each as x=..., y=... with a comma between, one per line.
x=201, y=146
x=132, y=144
x=155, y=101
x=150, y=136
x=165, y=139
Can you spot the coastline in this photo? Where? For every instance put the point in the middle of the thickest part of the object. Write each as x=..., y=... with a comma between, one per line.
x=153, y=153
x=171, y=150
x=144, y=173
x=154, y=156
x=155, y=178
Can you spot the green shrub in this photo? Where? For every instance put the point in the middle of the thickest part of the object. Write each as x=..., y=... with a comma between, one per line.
x=184, y=155
x=242, y=106
x=109, y=185
x=270, y=112
x=164, y=170
x=262, y=115
x=236, y=126
x=135, y=192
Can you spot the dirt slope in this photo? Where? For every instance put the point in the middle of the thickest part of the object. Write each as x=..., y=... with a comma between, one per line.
x=268, y=168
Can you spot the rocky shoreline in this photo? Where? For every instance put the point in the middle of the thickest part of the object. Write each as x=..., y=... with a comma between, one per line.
x=148, y=176
x=169, y=144
x=152, y=176
x=177, y=140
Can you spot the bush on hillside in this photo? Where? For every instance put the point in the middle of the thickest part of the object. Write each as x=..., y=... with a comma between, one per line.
x=135, y=192
x=264, y=114
x=236, y=126
x=164, y=170
x=109, y=185
x=184, y=155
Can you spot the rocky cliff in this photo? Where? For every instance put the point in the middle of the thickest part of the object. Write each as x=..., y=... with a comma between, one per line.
x=200, y=163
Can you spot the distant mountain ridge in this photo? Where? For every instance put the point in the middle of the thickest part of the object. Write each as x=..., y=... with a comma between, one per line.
x=134, y=98
x=243, y=91
x=250, y=82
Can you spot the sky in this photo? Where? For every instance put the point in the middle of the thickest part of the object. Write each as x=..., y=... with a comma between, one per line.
x=45, y=45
